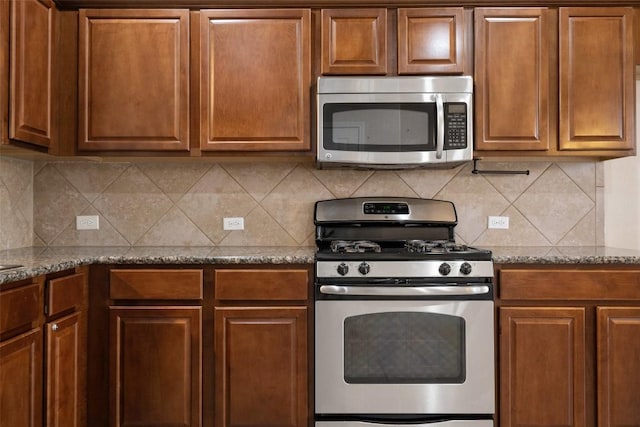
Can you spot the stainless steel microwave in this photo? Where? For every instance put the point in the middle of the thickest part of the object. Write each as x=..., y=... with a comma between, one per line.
x=394, y=122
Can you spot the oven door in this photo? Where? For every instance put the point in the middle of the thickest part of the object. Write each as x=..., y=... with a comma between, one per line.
x=404, y=357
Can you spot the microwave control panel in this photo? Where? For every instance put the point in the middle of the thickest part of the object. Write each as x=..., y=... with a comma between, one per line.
x=455, y=125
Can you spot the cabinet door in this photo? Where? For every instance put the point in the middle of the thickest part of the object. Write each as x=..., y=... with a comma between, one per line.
x=4, y=72
x=542, y=367
x=354, y=41
x=261, y=367
x=65, y=374
x=512, y=76
x=618, y=366
x=255, y=80
x=31, y=71
x=155, y=373
x=134, y=80
x=21, y=380
x=597, y=79
x=431, y=41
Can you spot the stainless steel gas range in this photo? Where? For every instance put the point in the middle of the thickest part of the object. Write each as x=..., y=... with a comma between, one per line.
x=404, y=317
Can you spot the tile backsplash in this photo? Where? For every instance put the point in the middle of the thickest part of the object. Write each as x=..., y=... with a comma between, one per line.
x=184, y=203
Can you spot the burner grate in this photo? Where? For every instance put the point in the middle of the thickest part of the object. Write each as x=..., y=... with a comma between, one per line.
x=358, y=246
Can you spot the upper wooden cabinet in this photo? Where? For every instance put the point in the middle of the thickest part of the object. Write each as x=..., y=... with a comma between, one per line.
x=597, y=79
x=31, y=71
x=431, y=41
x=513, y=74
x=354, y=41
x=133, y=80
x=255, y=80
x=559, y=83
x=373, y=41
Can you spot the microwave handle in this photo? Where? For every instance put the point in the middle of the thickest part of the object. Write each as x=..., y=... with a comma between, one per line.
x=440, y=128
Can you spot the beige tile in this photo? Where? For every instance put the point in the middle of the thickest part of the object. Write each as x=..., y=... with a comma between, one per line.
x=17, y=176
x=292, y=202
x=554, y=204
x=427, y=183
x=599, y=174
x=107, y=235
x=260, y=230
x=15, y=230
x=215, y=196
x=600, y=191
x=584, y=232
x=520, y=233
x=174, y=179
x=55, y=203
x=386, y=184
x=132, y=204
x=258, y=178
x=90, y=178
x=174, y=229
x=583, y=174
x=475, y=199
x=341, y=182
x=512, y=186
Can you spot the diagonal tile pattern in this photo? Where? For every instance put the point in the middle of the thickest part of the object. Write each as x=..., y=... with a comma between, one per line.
x=169, y=203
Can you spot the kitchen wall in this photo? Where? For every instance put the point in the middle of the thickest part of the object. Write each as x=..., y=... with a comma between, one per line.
x=183, y=203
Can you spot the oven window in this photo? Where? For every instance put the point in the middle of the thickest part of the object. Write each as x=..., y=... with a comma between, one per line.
x=404, y=348
x=390, y=127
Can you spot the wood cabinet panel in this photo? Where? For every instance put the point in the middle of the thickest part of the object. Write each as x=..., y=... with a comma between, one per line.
x=542, y=366
x=32, y=41
x=134, y=98
x=255, y=80
x=597, y=79
x=431, y=40
x=29, y=299
x=65, y=378
x=155, y=284
x=569, y=284
x=354, y=41
x=261, y=366
x=155, y=366
x=21, y=380
x=618, y=355
x=65, y=293
x=256, y=284
x=4, y=72
x=513, y=79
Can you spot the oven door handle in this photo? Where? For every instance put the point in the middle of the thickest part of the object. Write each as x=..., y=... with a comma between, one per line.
x=402, y=291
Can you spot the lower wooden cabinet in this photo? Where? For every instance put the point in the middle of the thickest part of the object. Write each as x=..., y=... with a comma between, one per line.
x=569, y=346
x=261, y=347
x=43, y=351
x=21, y=380
x=155, y=366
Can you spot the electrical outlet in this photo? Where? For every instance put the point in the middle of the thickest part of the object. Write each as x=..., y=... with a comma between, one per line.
x=87, y=222
x=500, y=222
x=235, y=223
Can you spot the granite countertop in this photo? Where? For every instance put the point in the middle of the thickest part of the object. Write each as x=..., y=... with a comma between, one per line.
x=43, y=260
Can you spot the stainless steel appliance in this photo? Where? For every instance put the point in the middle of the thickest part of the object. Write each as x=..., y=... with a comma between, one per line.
x=404, y=317
x=394, y=122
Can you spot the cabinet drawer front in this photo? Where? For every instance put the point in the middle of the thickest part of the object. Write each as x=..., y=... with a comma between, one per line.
x=19, y=307
x=65, y=293
x=156, y=284
x=290, y=285
x=569, y=284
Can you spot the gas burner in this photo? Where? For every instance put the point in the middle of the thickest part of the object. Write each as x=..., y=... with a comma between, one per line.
x=359, y=246
x=426, y=246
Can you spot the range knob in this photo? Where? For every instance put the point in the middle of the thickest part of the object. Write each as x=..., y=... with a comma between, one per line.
x=444, y=269
x=465, y=268
x=343, y=269
x=364, y=268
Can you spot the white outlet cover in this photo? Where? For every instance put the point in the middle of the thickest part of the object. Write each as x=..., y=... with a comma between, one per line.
x=233, y=223
x=498, y=222
x=87, y=222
